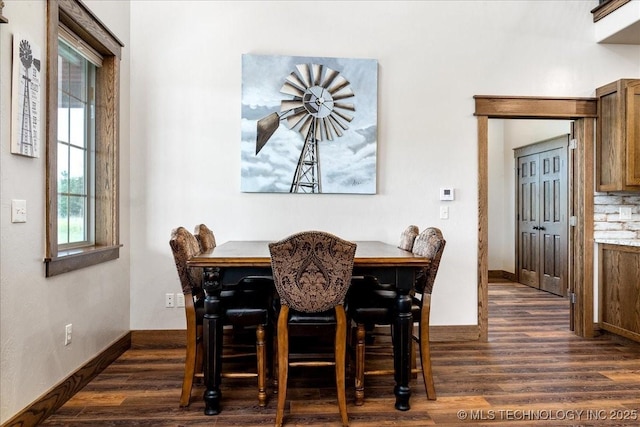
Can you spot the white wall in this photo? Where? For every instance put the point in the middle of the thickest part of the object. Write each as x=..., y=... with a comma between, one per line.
x=183, y=111
x=433, y=57
x=34, y=310
x=504, y=137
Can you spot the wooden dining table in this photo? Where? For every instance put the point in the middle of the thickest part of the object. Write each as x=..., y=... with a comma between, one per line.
x=233, y=260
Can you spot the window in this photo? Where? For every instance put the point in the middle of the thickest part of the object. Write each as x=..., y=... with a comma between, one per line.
x=76, y=136
x=82, y=139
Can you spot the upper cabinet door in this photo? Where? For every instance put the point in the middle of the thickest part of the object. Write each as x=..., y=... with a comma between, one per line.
x=618, y=136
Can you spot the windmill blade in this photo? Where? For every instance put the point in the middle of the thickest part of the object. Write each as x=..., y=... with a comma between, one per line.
x=329, y=77
x=294, y=119
x=295, y=81
x=344, y=106
x=343, y=94
x=326, y=125
x=339, y=83
x=265, y=128
x=290, y=89
x=304, y=129
x=305, y=74
x=291, y=104
x=343, y=116
x=318, y=129
x=316, y=70
x=335, y=126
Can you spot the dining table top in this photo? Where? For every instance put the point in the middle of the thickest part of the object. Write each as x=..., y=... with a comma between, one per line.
x=255, y=253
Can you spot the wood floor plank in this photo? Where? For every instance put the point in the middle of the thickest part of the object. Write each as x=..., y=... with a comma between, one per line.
x=532, y=371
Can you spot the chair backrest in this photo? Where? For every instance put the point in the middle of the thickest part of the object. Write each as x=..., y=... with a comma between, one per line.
x=408, y=237
x=312, y=270
x=184, y=245
x=430, y=244
x=205, y=237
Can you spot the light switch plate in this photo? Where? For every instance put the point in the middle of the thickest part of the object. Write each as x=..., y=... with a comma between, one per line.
x=444, y=212
x=18, y=211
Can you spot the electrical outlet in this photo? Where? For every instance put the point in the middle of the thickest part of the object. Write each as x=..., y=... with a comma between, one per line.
x=169, y=300
x=626, y=212
x=18, y=211
x=179, y=300
x=67, y=334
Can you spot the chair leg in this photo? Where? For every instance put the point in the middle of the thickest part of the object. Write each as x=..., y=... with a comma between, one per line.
x=425, y=350
x=274, y=358
x=283, y=361
x=359, y=377
x=340, y=351
x=262, y=366
x=189, y=370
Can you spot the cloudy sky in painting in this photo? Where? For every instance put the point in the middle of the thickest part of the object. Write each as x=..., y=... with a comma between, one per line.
x=347, y=164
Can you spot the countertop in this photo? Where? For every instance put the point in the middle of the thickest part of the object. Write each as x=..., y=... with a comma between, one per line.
x=621, y=242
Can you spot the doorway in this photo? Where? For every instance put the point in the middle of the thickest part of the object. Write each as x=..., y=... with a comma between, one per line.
x=580, y=268
x=541, y=217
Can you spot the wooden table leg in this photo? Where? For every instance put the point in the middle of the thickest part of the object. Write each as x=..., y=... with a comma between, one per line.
x=212, y=337
x=402, y=340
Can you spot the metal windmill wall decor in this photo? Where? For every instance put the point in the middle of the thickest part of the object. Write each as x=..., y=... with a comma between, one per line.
x=317, y=102
x=26, y=123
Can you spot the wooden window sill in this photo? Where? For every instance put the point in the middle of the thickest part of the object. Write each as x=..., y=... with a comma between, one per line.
x=75, y=259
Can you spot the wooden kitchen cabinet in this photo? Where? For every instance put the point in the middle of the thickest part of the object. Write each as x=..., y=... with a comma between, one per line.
x=620, y=290
x=618, y=136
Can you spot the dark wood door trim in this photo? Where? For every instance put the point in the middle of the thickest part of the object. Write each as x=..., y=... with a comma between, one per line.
x=486, y=107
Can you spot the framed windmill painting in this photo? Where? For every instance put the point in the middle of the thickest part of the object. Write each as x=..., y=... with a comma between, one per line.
x=309, y=124
x=25, y=115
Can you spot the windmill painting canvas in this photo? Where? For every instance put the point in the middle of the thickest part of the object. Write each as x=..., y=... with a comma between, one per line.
x=25, y=129
x=309, y=124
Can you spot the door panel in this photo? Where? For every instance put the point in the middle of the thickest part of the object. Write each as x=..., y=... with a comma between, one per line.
x=528, y=213
x=542, y=215
x=553, y=225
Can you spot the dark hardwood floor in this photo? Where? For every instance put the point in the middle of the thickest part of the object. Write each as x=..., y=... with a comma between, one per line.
x=532, y=371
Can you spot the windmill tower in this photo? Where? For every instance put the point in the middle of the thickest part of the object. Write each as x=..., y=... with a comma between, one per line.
x=26, y=134
x=317, y=111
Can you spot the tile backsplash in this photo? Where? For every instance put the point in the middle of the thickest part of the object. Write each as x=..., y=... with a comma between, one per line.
x=607, y=222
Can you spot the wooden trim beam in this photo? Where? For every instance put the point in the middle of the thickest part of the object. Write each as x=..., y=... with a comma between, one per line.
x=483, y=227
x=525, y=107
x=606, y=8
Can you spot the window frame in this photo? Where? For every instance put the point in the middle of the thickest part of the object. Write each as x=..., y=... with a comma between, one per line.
x=82, y=22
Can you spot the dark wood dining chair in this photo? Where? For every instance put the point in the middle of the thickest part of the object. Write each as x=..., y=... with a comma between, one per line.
x=375, y=306
x=312, y=273
x=245, y=306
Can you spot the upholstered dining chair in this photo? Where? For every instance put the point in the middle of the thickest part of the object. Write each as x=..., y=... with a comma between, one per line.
x=375, y=306
x=241, y=310
x=312, y=274
x=255, y=291
x=205, y=237
x=184, y=245
x=407, y=237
